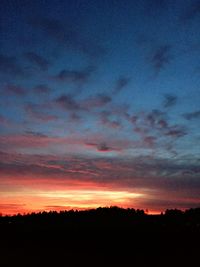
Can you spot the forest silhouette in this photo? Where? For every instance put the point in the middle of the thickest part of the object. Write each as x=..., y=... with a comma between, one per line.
x=101, y=237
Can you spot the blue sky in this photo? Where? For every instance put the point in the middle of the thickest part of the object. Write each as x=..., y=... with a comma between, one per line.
x=114, y=81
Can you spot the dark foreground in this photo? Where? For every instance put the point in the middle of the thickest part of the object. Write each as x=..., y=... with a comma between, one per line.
x=102, y=237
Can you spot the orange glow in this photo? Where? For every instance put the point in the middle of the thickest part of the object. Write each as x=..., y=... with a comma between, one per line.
x=37, y=200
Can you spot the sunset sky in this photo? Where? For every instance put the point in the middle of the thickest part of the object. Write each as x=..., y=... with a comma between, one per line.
x=99, y=104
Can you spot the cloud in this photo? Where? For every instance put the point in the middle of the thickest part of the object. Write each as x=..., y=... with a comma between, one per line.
x=78, y=77
x=75, y=117
x=36, y=134
x=96, y=101
x=192, y=11
x=149, y=141
x=121, y=83
x=67, y=35
x=176, y=131
x=192, y=115
x=35, y=111
x=155, y=130
x=142, y=174
x=4, y=120
x=155, y=7
x=27, y=140
x=156, y=118
x=66, y=101
x=170, y=100
x=12, y=208
x=37, y=60
x=102, y=147
x=157, y=121
x=107, y=121
x=14, y=90
x=42, y=89
x=160, y=57
x=10, y=66
x=55, y=29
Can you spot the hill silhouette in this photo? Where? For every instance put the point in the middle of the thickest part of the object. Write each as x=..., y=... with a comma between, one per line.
x=101, y=237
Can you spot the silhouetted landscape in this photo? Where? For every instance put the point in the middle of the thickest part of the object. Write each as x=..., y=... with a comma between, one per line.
x=101, y=237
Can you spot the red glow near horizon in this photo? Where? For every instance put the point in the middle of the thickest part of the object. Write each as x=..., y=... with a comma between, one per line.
x=27, y=199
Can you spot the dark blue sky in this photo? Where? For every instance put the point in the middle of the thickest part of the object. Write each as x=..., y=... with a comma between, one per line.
x=100, y=94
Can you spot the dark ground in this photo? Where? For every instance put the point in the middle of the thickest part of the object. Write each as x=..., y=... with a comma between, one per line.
x=102, y=237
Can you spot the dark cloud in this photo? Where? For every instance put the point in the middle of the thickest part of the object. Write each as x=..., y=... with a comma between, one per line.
x=155, y=129
x=192, y=115
x=37, y=60
x=35, y=134
x=78, y=77
x=160, y=57
x=36, y=112
x=192, y=11
x=176, y=131
x=149, y=141
x=107, y=121
x=42, y=89
x=141, y=130
x=68, y=35
x=96, y=101
x=56, y=30
x=133, y=119
x=12, y=207
x=157, y=121
x=155, y=6
x=14, y=90
x=138, y=172
x=170, y=100
x=121, y=83
x=10, y=66
x=68, y=102
x=75, y=117
x=102, y=147
x=3, y=119
x=156, y=118
x=163, y=124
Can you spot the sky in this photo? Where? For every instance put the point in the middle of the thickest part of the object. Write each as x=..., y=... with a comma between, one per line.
x=99, y=104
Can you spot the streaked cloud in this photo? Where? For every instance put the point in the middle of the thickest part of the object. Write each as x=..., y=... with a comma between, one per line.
x=37, y=60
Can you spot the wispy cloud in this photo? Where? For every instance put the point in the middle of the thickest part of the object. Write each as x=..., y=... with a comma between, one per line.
x=70, y=103
x=192, y=115
x=176, y=131
x=3, y=120
x=99, y=100
x=67, y=101
x=102, y=147
x=147, y=175
x=105, y=119
x=14, y=90
x=121, y=83
x=169, y=100
x=154, y=127
x=36, y=112
x=192, y=11
x=37, y=60
x=42, y=89
x=78, y=77
x=160, y=57
x=10, y=66
x=67, y=35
